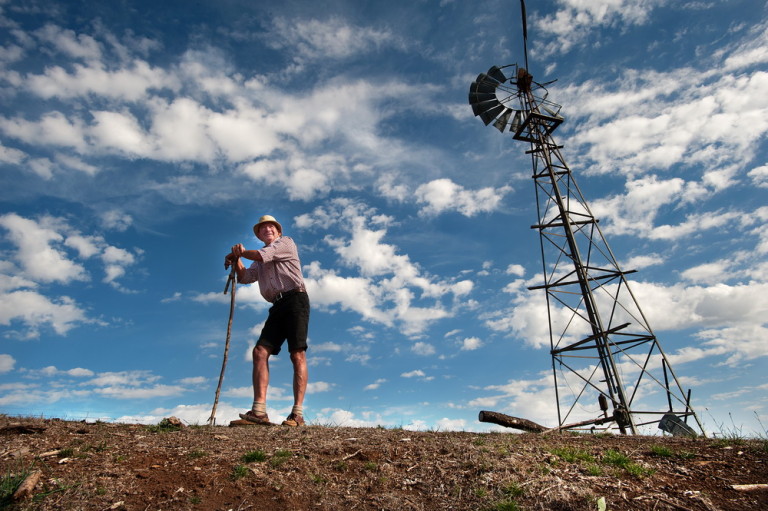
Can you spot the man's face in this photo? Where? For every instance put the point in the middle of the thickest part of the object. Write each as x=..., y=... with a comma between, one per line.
x=268, y=232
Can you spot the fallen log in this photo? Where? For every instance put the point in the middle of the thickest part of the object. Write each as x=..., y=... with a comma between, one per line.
x=511, y=422
x=26, y=488
x=750, y=487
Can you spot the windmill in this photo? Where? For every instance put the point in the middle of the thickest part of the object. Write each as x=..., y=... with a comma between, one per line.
x=608, y=365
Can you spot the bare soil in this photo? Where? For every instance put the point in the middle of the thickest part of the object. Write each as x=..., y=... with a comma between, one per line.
x=106, y=466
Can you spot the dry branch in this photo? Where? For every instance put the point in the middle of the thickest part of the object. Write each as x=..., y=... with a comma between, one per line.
x=26, y=488
x=511, y=422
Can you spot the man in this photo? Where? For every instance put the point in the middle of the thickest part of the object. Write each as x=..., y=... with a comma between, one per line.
x=277, y=269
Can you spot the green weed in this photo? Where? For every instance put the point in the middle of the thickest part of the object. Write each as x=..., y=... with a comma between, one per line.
x=238, y=472
x=254, y=456
x=11, y=481
x=619, y=460
x=164, y=426
x=615, y=458
x=318, y=479
x=280, y=457
x=572, y=455
x=512, y=490
x=594, y=469
x=661, y=451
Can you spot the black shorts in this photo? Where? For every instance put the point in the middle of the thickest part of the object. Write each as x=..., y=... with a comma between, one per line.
x=288, y=320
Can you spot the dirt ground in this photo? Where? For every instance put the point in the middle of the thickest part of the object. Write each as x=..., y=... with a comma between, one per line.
x=105, y=466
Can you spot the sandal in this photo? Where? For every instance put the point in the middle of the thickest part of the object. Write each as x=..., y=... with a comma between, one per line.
x=255, y=418
x=294, y=420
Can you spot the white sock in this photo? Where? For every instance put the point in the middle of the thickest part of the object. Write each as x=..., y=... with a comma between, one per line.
x=298, y=410
x=259, y=408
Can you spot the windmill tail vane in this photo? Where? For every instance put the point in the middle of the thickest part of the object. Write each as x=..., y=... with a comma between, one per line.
x=609, y=369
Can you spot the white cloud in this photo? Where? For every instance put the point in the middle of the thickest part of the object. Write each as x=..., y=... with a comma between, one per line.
x=471, y=344
x=86, y=246
x=53, y=128
x=193, y=380
x=7, y=363
x=446, y=424
x=314, y=387
x=35, y=311
x=708, y=273
x=413, y=374
x=423, y=349
x=529, y=399
x=37, y=252
x=701, y=120
x=120, y=132
x=741, y=343
x=391, y=287
x=443, y=195
x=130, y=83
x=79, y=46
x=76, y=164
x=11, y=155
x=117, y=220
x=375, y=385
x=332, y=38
x=41, y=252
x=574, y=20
x=759, y=176
x=642, y=261
x=345, y=418
x=151, y=392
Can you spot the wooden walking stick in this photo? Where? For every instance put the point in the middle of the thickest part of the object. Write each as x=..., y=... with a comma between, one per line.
x=233, y=281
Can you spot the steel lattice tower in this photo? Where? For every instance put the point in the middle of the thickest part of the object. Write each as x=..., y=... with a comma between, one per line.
x=604, y=352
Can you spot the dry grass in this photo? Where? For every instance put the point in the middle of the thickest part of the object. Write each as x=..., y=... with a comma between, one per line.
x=134, y=467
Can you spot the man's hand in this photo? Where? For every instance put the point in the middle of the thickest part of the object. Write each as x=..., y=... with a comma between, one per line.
x=234, y=255
x=229, y=260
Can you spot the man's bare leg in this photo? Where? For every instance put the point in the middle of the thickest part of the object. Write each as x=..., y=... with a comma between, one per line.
x=260, y=374
x=300, y=376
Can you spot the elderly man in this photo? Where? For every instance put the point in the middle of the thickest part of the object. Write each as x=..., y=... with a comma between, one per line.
x=277, y=269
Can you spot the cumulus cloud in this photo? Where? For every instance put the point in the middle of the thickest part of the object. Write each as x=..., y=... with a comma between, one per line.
x=471, y=344
x=443, y=195
x=759, y=176
x=7, y=363
x=573, y=21
x=332, y=38
x=716, y=310
x=387, y=287
x=423, y=349
x=47, y=250
x=37, y=250
x=375, y=385
x=702, y=119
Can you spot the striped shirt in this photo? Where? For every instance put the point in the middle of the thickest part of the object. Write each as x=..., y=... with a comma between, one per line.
x=279, y=272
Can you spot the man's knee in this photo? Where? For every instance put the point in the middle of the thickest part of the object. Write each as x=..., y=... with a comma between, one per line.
x=298, y=356
x=260, y=354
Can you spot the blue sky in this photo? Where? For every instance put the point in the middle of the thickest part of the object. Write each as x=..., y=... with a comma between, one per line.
x=140, y=140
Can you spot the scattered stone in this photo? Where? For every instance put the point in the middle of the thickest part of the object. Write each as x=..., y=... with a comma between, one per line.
x=175, y=422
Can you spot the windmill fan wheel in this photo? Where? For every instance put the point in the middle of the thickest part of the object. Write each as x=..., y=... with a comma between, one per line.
x=490, y=96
